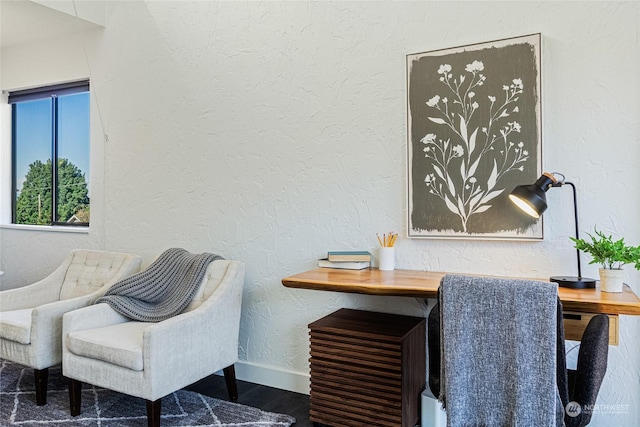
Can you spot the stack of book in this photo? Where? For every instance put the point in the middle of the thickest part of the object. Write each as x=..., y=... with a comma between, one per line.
x=350, y=260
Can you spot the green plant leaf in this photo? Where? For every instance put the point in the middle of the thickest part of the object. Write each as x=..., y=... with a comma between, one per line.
x=608, y=253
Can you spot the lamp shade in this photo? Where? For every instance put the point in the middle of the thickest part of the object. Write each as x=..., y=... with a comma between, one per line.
x=531, y=198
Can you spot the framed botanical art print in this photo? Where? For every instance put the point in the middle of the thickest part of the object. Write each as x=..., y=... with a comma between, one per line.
x=474, y=133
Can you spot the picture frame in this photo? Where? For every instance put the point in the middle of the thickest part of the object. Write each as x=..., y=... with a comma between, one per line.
x=473, y=134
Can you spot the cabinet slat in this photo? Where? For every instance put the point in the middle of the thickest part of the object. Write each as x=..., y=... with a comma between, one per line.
x=352, y=359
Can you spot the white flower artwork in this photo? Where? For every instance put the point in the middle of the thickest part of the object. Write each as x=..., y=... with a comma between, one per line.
x=474, y=134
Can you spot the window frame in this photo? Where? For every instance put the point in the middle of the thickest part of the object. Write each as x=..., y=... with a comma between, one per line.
x=53, y=92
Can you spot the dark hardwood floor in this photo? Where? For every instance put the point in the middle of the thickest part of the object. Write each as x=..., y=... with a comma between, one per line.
x=259, y=396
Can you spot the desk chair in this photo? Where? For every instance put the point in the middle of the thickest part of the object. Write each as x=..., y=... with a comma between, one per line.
x=577, y=389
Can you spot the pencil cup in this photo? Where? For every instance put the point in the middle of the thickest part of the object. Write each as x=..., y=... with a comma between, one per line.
x=386, y=258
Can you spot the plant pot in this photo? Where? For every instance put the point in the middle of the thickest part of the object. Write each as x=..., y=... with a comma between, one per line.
x=611, y=280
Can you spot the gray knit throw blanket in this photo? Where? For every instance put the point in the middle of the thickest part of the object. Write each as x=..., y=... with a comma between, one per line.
x=163, y=289
x=498, y=352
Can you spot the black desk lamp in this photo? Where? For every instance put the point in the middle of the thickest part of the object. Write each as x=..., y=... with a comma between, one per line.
x=532, y=200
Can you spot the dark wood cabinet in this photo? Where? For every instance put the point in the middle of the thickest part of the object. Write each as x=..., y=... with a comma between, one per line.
x=367, y=369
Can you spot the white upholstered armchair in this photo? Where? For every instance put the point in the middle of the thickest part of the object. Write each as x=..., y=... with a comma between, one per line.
x=152, y=360
x=31, y=316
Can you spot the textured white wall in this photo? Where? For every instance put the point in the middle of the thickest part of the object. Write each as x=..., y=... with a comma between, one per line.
x=273, y=132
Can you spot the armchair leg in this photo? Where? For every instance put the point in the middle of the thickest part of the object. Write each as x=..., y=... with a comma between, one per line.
x=41, y=378
x=75, y=392
x=230, y=379
x=153, y=412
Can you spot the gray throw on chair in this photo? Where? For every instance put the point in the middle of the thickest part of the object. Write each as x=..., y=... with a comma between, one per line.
x=162, y=290
x=498, y=344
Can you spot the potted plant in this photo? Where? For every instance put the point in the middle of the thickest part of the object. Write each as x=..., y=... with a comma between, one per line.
x=611, y=255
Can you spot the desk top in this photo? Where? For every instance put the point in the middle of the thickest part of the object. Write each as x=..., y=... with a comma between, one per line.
x=424, y=284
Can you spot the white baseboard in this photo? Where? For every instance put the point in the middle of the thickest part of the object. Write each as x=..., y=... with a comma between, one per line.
x=273, y=377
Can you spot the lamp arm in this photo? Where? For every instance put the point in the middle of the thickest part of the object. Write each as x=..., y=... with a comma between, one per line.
x=575, y=217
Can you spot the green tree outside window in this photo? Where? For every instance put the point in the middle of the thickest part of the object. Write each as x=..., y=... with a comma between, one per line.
x=34, y=202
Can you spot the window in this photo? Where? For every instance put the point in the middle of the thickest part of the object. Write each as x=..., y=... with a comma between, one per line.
x=50, y=137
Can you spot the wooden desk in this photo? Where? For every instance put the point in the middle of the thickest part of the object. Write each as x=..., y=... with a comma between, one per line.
x=579, y=304
x=424, y=284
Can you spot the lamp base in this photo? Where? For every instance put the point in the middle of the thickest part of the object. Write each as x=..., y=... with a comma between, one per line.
x=574, y=282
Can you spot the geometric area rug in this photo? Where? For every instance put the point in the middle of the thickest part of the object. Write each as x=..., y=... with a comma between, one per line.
x=106, y=408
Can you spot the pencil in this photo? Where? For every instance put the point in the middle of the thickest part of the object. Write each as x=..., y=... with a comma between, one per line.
x=388, y=240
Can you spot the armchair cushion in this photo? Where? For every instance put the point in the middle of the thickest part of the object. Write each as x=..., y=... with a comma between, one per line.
x=88, y=272
x=15, y=325
x=209, y=284
x=119, y=344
